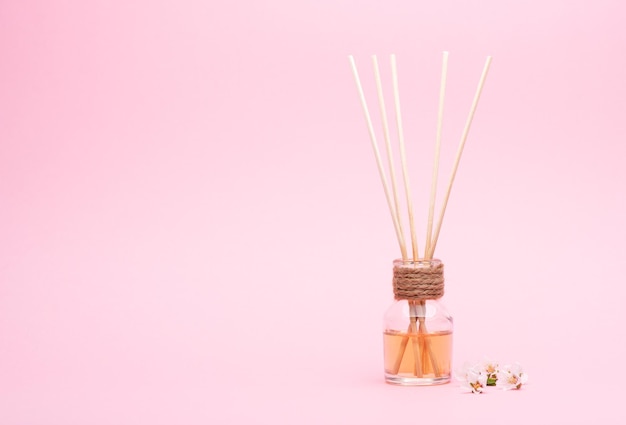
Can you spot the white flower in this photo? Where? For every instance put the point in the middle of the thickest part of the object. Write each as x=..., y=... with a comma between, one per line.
x=471, y=378
x=511, y=377
x=490, y=369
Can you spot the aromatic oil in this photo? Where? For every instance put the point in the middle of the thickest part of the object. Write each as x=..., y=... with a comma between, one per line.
x=400, y=349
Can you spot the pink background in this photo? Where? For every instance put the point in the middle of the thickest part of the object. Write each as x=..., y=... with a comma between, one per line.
x=193, y=231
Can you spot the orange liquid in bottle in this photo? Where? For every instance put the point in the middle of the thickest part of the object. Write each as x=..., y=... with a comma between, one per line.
x=402, y=347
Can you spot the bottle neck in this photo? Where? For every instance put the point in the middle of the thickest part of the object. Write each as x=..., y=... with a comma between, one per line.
x=418, y=280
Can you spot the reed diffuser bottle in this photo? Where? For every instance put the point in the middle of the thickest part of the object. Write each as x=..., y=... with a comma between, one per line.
x=417, y=331
x=417, y=334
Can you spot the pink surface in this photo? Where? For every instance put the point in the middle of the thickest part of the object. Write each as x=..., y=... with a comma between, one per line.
x=192, y=228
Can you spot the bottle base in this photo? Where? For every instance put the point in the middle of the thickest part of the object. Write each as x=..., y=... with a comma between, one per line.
x=407, y=381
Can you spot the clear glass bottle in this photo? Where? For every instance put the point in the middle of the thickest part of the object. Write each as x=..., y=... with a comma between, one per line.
x=417, y=333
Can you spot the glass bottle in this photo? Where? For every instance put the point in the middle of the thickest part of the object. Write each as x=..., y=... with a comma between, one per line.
x=417, y=334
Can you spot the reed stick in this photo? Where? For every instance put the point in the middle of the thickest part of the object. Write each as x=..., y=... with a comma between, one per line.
x=433, y=186
x=413, y=328
x=420, y=343
x=459, y=152
x=428, y=348
x=381, y=171
x=390, y=162
x=424, y=344
x=405, y=173
x=418, y=368
x=403, y=343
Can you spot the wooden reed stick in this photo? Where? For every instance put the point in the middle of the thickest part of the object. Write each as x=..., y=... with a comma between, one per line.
x=419, y=350
x=390, y=162
x=381, y=171
x=459, y=152
x=419, y=343
x=400, y=356
x=428, y=348
x=405, y=173
x=418, y=368
x=433, y=187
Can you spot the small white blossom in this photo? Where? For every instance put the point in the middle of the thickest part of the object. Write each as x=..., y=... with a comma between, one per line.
x=511, y=377
x=489, y=368
x=471, y=378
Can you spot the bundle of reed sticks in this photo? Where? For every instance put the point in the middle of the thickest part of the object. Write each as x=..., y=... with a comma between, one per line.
x=417, y=325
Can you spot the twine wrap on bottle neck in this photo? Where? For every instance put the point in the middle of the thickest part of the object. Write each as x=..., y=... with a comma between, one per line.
x=415, y=281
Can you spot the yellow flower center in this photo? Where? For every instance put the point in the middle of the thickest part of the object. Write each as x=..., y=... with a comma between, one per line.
x=476, y=385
